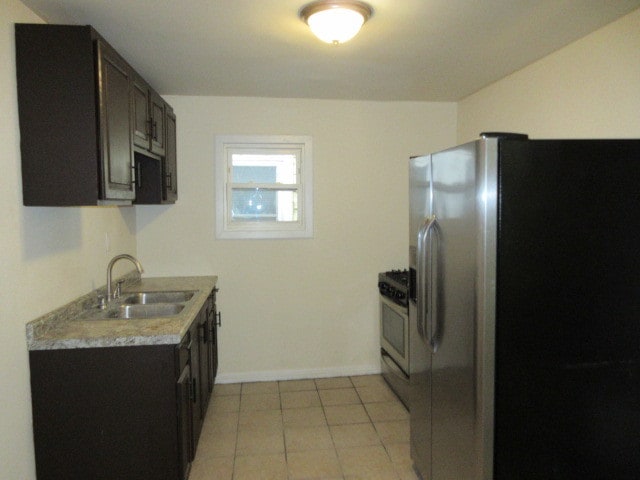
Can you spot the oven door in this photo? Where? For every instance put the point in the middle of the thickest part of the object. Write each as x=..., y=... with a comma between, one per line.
x=394, y=332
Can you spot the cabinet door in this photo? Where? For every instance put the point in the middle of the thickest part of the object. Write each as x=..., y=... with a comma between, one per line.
x=116, y=150
x=158, y=113
x=213, y=338
x=185, y=433
x=205, y=348
x=141, y=116
x=194, y=360
x=170, y=174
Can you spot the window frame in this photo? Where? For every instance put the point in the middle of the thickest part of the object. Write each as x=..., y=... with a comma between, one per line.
x=225, y=146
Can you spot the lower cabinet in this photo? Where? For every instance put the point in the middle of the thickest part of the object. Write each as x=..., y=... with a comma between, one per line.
x=125, y=413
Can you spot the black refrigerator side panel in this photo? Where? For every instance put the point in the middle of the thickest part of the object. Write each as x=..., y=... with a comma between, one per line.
x=568, y=311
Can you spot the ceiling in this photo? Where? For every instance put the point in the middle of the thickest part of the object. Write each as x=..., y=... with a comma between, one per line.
x=418, y=50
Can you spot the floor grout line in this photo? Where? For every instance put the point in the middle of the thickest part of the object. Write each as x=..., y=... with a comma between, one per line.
x=244, y=390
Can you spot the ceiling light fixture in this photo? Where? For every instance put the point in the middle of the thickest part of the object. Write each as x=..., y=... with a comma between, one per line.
x=335, y=21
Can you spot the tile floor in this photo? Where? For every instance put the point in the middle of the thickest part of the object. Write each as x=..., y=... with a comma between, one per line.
x=329, y=428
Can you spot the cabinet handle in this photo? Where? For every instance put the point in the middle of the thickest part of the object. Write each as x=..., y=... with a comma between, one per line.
x=169, y=184
x=203, y=332
x=193, y=390
x=148, y=127
x=219, y=322
x=154, y=131
x=135, y=175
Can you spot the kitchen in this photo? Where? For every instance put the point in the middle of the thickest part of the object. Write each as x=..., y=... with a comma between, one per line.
x=53, y=255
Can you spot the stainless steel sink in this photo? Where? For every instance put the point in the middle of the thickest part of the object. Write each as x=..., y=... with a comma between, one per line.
x=145, y=298
x=129, y=311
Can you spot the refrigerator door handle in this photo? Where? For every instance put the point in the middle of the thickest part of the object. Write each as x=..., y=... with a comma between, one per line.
x=424, y=279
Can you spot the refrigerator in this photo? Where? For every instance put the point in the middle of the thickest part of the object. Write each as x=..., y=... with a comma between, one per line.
x=524, y=310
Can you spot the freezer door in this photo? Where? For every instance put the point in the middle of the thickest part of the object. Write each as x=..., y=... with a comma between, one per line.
x=458, y=386
x=420, y=206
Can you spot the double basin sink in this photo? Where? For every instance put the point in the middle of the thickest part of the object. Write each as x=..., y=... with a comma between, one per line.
x=147, y=305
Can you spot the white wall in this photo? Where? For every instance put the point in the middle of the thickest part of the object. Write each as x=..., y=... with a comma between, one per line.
x=48, y=256
x=590, y=88
x=295, y=308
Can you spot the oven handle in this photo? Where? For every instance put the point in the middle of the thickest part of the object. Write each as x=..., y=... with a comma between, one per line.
x=426, y=301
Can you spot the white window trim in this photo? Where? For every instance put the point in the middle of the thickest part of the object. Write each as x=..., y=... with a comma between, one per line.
x=259, y=230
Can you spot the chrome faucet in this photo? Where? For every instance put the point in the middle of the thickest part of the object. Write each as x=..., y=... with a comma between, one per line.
x=116, y=294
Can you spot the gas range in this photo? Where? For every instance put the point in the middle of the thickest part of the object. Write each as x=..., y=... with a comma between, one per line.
x=394, y=285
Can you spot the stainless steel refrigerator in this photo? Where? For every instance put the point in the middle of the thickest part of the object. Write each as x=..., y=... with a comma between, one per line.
x=524, y=310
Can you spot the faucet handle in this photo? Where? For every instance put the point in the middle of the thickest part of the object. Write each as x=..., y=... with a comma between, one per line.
x=118, y=291
x=102, y=302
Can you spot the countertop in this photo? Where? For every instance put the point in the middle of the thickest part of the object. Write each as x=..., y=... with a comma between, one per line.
x=75, y=325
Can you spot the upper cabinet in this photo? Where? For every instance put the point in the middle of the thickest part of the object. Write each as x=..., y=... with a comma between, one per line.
x=115, y=150
x=149, y=113
x=84, y=113
x=170, y=165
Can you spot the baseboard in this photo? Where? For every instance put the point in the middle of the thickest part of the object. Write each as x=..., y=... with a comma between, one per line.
x=271, y=375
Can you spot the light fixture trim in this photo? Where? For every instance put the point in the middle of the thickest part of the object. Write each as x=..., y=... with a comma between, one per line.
x=355, y=6
x=362, y=8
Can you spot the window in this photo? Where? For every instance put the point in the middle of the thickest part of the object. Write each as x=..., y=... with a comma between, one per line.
x=264, y=187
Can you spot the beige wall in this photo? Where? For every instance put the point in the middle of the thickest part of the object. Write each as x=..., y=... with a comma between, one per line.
x=48, y=256
x=296, y=308
x=590, y=88
x=290, y=307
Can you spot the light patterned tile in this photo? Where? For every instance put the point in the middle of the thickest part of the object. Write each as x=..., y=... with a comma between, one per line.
x=333, y=382
x=207, y=467
x=260, y=441
x=367, y=463
x=354, y=435
x=299, y=439
x=326, y=437
x=407, y=473
x=227, y=422
x=396, y=431
x=315, y=464
x=376, y=393
x=253, y=388
x=345, y=414
x=400, y=454
x=219, y=444
x=386, y=411
x=300, y=399
x=223, y=404
x=296, y=385
x=368, y=381
x=260, y=467
x=257, y=419
x=339, y=396
x=221, y=389
x=260, y=401
x=303, y=417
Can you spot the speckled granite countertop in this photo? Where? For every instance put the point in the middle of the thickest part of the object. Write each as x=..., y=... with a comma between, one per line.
x=81, y=324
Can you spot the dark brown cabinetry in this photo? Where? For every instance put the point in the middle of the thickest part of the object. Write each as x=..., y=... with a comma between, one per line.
x=116, y=152
x=141, y=113
x=126, y=413
x=149, y=117
x=156, y=177
x=170, y=173
x=83, y=113
x=184, y=392
x=158, y=115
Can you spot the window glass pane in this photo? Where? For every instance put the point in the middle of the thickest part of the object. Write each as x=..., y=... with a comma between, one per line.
x=264, y=168
x=254, y=174
x=264, y=205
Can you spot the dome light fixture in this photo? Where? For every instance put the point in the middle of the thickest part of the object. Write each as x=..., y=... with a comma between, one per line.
x=335, y=21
